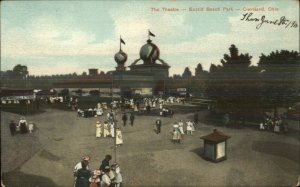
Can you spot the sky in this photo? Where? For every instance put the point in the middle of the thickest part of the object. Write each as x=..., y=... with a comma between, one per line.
x=60, y=37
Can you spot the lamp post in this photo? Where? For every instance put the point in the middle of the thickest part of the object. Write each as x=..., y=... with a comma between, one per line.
x=114, y=121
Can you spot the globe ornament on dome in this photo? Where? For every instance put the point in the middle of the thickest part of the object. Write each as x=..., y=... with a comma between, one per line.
x=149, y=52
x=120, y=57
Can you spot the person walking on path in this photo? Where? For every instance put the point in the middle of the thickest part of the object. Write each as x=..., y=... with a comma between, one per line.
x=105, y=180
x=105, y=129
x=23, y=125
x=118, y=176
x=148, y=108
x=189, y=128
x=30, y=127
x=79, y=166
x=158, y=125
x=131, y=119
x=124, y=118
x=119, y=137
x=83, y=175
x=112, y=129
x=180, y=126
x=12, y=127
x=98, y=129
x=176, y=136
x=105, y=162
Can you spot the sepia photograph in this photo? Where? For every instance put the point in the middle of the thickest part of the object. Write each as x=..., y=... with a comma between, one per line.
x=191, y=93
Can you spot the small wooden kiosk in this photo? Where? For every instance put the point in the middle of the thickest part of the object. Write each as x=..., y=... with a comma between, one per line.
x=215, y=146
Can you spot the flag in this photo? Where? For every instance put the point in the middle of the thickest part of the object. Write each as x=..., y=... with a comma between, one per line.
x=151, y=34
x=122, y=41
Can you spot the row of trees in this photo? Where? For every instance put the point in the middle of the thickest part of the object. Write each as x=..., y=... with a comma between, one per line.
x=243, y=89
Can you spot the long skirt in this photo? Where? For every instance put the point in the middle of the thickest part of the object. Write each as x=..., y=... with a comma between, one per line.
x=112, y=132
x=105, y=133
x=119, y=140
x=181, y=130
x=98, y=132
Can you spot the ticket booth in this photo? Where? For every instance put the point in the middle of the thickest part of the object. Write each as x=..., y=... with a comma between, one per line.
x=215, y=146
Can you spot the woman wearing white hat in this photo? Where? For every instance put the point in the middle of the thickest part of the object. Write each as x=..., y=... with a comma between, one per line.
x=119, y=137
x=98, y=129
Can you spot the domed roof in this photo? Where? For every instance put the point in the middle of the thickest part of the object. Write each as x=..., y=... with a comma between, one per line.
x=149, y=52
x=120, y=57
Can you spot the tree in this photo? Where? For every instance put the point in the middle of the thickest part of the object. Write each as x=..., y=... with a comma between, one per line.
x=187, y=73
x=198, y=83
x=233, y=84
x=242, y=60
x=198, y=70
x=20, y=71
x=280, y=73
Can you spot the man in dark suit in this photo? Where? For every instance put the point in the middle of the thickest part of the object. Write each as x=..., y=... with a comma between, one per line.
x=124, y=118
x=131, y=118
x=158, y=125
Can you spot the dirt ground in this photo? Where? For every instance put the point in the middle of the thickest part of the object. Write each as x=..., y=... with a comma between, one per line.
x=47, y=157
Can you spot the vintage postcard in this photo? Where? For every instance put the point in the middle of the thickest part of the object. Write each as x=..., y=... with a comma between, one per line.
x=150, y=93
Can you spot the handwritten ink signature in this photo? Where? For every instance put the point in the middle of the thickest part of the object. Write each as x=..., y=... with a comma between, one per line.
x=282, y=21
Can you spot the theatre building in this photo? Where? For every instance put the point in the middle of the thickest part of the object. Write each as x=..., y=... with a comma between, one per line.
x=147, y=75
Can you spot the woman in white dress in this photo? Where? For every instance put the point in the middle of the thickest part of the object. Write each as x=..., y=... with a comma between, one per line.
x=261, y=126
x=189, y=128
x=135, y=108
x=98, y=129
x=30, y=127
x=276, y=127
x=180, y=124
x=112, y=129
x=105, y=130
x=119, y=137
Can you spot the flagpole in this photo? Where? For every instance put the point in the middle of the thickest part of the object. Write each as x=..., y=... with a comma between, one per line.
x=120, y=42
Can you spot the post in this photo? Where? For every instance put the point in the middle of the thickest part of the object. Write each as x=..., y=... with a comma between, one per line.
x=115, y=129
x=113, y=119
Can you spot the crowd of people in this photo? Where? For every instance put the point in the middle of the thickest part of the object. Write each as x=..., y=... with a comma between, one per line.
x=22, y=127
x=105, y=176
x=179, y=129
x=275, y=124
x=108, y=130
